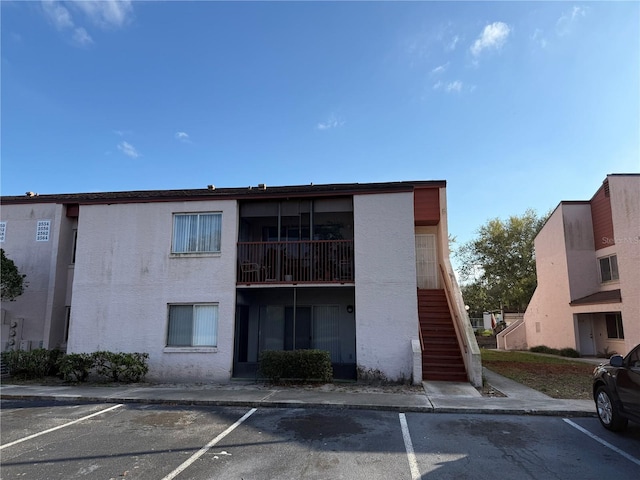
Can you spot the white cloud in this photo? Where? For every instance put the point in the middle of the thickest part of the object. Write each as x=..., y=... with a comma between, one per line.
x=128, y=149
x=566, y=21
x=183, y=137
x=449, y=87
x=81, y=37
x=422, y=45
x=122, y=133
x=107, y=14
x=440, y=69
x=493, y=36
x=332, y=122
x=452, y=43
x=454, y=86
x=539, y=38
x=57, y=14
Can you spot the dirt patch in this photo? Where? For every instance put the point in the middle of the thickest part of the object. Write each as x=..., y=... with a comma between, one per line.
x=558, y=380
x=357, y=387
x=488, y=391
x=344, y=387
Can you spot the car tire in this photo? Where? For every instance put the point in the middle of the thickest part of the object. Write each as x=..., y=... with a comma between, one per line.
x=608, y=411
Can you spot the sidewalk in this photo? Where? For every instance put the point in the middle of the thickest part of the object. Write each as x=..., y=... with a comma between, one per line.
x=438, y=397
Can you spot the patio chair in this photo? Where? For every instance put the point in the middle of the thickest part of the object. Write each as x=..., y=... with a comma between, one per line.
x=252, y=272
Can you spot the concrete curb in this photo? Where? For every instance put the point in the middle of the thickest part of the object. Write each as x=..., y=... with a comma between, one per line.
x=436, y=397
x=465, y=409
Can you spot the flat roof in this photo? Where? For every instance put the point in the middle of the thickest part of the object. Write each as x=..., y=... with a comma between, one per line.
x=246, y=193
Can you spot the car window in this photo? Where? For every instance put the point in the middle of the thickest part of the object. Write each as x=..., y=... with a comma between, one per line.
x=634, y=358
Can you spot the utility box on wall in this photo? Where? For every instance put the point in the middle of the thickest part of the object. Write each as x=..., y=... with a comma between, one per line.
x=11, y=333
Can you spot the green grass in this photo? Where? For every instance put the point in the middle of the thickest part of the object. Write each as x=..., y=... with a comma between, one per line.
x=526, y=357
x=554, y=376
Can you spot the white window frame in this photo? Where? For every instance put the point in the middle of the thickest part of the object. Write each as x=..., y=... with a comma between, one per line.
x=3, y=231
x=199, y=250
x=43, y=230
x=193, y=346
x=613, y=272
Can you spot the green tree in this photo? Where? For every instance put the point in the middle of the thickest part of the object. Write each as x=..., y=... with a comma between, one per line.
x=11, y=280
x=498, y=268
x=476, y=296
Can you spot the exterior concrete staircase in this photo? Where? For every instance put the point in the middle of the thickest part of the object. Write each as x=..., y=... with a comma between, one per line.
x=441, y=356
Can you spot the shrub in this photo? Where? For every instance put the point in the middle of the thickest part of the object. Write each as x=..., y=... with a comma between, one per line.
x=606, y=353
x=55, y=356
x=569, y=352
x=107, y=365
x=126, y=367
x=544, y=349
x=481, y=332
x=29, y=364
x=115, y=367
x=135, y=366
x=302, y=365
x=76, y=366
x=564, y=352
x=11, y=360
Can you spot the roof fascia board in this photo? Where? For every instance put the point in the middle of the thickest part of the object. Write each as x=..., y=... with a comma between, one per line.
x=226, y=194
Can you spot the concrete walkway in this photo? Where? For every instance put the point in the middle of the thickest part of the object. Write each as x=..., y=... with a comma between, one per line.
x=444, y=397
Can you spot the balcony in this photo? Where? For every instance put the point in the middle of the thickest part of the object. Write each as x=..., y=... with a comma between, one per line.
x=295, y=262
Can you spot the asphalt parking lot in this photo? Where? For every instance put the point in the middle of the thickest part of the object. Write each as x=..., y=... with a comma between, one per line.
x=46, y=440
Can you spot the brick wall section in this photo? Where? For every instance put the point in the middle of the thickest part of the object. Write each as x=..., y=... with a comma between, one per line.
x=601, y=217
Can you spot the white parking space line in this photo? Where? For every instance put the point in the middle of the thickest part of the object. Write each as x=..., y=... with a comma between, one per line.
x=61, y=426
x=413, y=462
x=212, y=443
x=603, y=442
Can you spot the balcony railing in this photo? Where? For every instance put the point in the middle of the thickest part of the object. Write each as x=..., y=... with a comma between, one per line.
x=311, y=261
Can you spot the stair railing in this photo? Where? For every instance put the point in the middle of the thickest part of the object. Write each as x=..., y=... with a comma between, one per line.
x=464, y=332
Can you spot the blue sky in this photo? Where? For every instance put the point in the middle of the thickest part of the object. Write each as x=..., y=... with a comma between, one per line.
x=516, y=104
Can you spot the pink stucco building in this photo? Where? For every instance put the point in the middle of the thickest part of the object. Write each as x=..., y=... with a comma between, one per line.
x=588, y=269
x=204, y=280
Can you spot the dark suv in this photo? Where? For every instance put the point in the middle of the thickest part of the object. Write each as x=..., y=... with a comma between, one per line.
x=616, y=390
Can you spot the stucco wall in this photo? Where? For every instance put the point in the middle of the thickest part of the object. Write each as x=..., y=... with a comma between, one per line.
x=567, y=269
x=625, y=210
x=580, y=250
x=385, y=278
x=125, y=277
x=35, y=259
x=548, y=318
x=62, y=275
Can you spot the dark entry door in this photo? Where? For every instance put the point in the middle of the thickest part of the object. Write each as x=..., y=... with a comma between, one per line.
x=297, y=328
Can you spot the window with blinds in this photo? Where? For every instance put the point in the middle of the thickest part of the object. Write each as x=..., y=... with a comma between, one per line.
x=193, y=325
x=196, y=233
